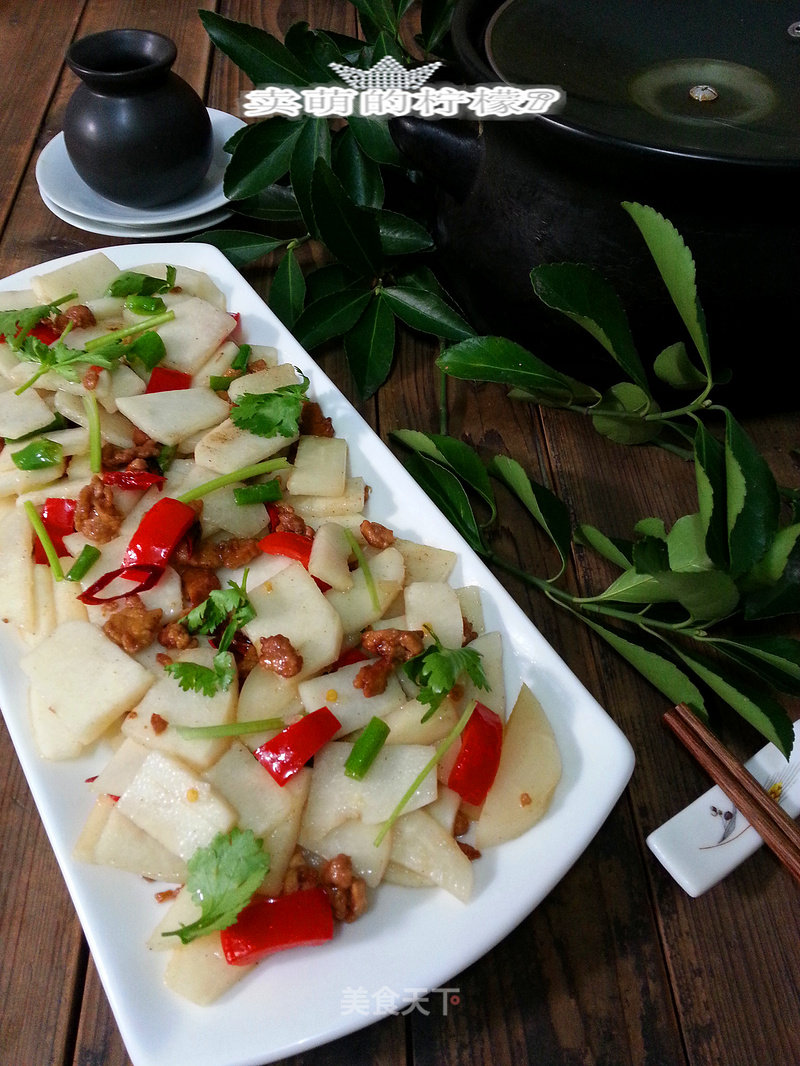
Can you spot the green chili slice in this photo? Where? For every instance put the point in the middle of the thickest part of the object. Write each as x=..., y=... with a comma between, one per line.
x=84, y=562
x=38, y=454
x=366, y=748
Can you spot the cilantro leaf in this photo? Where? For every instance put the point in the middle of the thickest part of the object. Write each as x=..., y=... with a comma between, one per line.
x=222, y=878
x=207, y=680
x=271, y=414
x=16, y=325
x=437, y=669
x=57, y=356
x=222, y=607
x=229, y=607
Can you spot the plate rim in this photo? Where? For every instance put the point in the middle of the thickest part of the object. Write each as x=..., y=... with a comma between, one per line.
x=197, y=1030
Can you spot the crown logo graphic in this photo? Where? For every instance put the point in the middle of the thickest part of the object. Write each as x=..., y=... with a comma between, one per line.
x=386, y=74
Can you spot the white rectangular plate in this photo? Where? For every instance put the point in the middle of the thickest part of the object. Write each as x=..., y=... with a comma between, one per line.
x=411, y=940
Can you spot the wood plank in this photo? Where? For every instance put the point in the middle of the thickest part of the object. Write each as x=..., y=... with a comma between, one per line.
x=28, y=77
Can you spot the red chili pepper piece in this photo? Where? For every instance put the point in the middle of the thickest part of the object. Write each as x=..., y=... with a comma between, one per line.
x=349, y=657
x=146, y=576
x=301, y=919
x=159, y=532
x=293, y=545
x=58, y=516
x=479, y=756
x=290, y=750
x=163, y=379
x=133, y=479
x=45, y=331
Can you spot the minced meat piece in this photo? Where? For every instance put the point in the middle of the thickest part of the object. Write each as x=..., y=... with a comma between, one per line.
x=313, y=423
x=132, y=626
x=376, y=535
x=286, y=520
x=176, y=636
x=96, y=514
x=278, y=654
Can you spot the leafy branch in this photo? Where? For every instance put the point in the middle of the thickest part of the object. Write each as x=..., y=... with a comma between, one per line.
x=327, y=181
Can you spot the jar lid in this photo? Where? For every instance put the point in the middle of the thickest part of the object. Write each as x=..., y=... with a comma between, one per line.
x=697, y=78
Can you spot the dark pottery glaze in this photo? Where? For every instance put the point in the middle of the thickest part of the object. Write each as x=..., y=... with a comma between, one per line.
x=135, y=132
x=511, y=195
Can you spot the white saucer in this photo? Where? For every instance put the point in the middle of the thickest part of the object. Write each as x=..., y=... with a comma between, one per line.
x=59, y=182
x=140, y=232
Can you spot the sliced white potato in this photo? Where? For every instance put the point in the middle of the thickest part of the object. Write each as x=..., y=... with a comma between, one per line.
x=357, y=839
x=424, y=562
x=227, y=447
x=349, y=704
x=59, y=666
x=52, y=739
x=263, y=381
x=529, y=770
x=195, y=333
x=351, y=502
x=330, y=557
x=423, y=846
x=272, y=811
x=434, y=604
x=291, y=604
x=23, y=413
x=335, y=798
x=166, y=706
x=89, y=277
x=171, y=416
x=319, y=468
x=175, y=805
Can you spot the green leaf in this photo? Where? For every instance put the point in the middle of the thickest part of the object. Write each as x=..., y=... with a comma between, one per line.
x=626, y=399
x=427, y=312
x=435, y=19
x=551, y=514
x=287, y=292
x=448, y=494
x=780, y=598
x=753, y=503
x=657, y=669
x=457, y=456
x=401, y=235
x=349, y=231
x=676, y=266
x=262, y=155
x=709, y=463
x=273, y=204
x=507, y=363
x=314, y=50
x=222, y=877
x=380, y=13
x=686, y=544
x=611, y=548
x=774, y=659
x=772, y=565
x=754, y=705
x=631, y=587
x=240, y=247
x=360, y=175
x=375, y=140
x=674, y=366
x=313, y=146
x=261, y=56
x=331, y=316
x=369, y=346
x=582, y=294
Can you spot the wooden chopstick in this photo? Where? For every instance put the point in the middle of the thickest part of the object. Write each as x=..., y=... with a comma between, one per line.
x=778, y=831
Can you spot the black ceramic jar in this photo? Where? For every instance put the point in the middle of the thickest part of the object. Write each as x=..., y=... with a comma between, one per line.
x=135, y=132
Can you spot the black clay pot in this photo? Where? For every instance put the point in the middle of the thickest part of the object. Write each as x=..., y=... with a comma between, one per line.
x=513, y=194
x=135, y=132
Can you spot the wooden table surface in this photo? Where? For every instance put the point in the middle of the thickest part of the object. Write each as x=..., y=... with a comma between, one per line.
x=618, y=965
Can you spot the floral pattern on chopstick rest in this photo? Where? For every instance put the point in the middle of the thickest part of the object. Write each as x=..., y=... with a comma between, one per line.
x=708, y=839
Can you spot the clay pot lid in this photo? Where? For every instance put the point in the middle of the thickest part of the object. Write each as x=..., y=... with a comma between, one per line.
x=698, y=78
